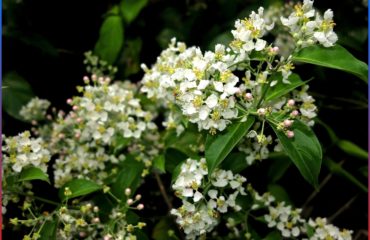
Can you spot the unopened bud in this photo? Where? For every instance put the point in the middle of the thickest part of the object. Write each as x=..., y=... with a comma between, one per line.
x=140, y=206
x=130, y=201
x=93, y=77
x=69, y=101
x=82, y=234
x=261, y=112
x=96, y=209
x=138, y=197
x=290, y=134
x=127, y=191
x=75, y=108
x=61, y=135
x=86, y=79
x=288, y=123
x=248, y=96
x=294, y=113
x=291, y=103
x=96, y=220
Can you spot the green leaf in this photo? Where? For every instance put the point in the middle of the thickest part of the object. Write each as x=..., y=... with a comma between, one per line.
x=220, y=145
x=303, y=149
x=111, y=39
x=335, y=57
x=17, y=93
x=364, y=170
x=280, y=89
x=352, y=149
x=236, y=162
x=49, y=230
x=128, y=177
x=279, y=193
x=160, y=231
x=339, y=170
x=33, y=173
x=275, y=235
x=79, y=187
x=173, y=157
x=280, y=164
x=159, y=163
x=131, y=8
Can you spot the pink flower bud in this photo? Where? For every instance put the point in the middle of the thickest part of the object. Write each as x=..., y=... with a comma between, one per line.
x=249, y=96
x=61, y=135
x=290, y=134
x=49, y=117
x=130, y=201
x=75, y=108
x=77, y=135
x=86, y=79
x=34, y=122
x=96, y=220
x=107, y=237
x=93, y=77
x=101, y=80
x=69, y=101
x=288, y=123
x=107, y=79
x=140, y=206
x=82, y=234
x=294, y=113
x=275, y=49
x=78, y=120
x=291, y=102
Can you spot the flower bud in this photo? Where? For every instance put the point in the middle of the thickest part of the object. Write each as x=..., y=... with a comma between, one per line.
x=130, y=201
x=291, y=103
x=261, y=111
x=69, y=101
x=288, y=123
x=127, y=191
x=75, y=108
x=93, y=78
x=138, y=197
x=82, y=234
x=96, y=220
x=248, y=96
x=290, y=134
x=294, y=113
x=140, y=206
x=86, y=79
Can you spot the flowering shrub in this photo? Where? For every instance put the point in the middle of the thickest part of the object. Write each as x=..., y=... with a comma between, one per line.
x=218, y=112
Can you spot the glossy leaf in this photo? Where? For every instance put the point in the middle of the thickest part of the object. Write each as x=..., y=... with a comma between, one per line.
x=129, y=176
x=352, y=149
x=33, y=173
x=236, y=162
x=159, y=163
x=17, y=92
x=335, y=57
x=111, y=39
x=280, y=164
x=221, y=144
x=49, y=230
x=281, y=89
x=303, y=149
x=79, y=187
x=131, y=8
x=275, y=235
x=279, y=193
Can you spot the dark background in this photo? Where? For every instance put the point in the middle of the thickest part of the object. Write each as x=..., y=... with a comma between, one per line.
x=44, y=42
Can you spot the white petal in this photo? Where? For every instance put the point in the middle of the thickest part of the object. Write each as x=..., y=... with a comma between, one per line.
x=218, y=86
x=197, y=196
x=260, y=44
x=212, y=101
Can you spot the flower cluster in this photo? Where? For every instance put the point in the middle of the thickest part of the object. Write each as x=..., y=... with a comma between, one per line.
x=22, y=151
x=203, y=202
x=107, y=115
x=201, y=85
x=290, y=224
x=308, y=27
x=35, y=109
x=248, y=34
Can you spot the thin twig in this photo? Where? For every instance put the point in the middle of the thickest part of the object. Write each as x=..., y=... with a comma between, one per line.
x=314, y=193
x=342, y=209
x=163, y=190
